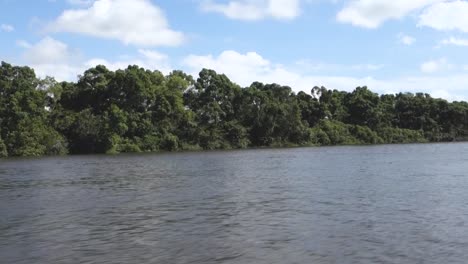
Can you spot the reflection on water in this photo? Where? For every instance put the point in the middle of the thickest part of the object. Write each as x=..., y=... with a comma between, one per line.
x=383, y=204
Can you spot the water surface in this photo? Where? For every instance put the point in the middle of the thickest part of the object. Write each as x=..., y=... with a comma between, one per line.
x=378, y=204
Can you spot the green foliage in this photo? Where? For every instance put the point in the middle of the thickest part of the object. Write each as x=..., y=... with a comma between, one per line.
x=397, y=135
x=236, y=135
x=169, y=142
x=150, y=143
x=137, y=110
x=333, y=133
x=24, y=119
x=365, y=135
x=3, y=149
x=127, y=146
x=362, y=107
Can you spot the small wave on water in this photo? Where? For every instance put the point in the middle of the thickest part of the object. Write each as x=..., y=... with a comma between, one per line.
x=385, y=204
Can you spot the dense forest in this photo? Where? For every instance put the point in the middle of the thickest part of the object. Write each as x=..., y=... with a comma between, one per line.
x=137, y=110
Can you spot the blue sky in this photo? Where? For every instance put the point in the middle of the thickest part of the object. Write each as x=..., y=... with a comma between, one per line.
x=390, y=46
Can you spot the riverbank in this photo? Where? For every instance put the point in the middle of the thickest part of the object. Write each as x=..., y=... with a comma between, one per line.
x=136, y=110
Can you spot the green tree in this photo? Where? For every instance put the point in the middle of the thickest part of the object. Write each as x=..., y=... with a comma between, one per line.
x=25, y=130
x=138, y=110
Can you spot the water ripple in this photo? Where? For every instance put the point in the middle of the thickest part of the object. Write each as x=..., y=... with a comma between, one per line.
x=385, y=204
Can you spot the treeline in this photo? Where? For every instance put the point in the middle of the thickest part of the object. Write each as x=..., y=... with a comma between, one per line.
x=137, y=110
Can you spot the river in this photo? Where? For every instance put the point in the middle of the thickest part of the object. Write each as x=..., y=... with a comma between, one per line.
x=366, y=204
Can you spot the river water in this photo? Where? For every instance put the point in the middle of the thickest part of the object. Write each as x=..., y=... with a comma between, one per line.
x=376, y=204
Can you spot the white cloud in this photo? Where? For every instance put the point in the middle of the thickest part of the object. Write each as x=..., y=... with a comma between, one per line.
x=48, y=50
x=23, y=44
x=367, y=67
x=136, y=22
x=51, y=57
x=246, y=68
x=80, y=2
x=429, y=66
x=61, y=72
x=308, y=66
x=433, y=66
x=7, y=28
x=148, y=59
x=249, y=67
x=372, y=13
x=406, y=40
x=241, y=67
x=255, y=9
x=55, y=58
x=448, y=15
x=455, y=41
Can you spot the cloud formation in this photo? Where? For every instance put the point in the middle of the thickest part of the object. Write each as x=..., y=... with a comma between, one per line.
x=406, y=40
x=51, y=57
x=248, y=67
x=455, y=41
x=373, y=13
x=80, y=2
x=448, y=15
x=7, y=28
x=433, y=66
x=255, y=9
x=136, y=22
x=148, y=59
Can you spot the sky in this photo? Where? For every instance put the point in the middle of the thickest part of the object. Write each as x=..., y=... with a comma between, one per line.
x=389, y=46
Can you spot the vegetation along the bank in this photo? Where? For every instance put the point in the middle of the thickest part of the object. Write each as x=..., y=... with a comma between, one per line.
x=137, y=110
